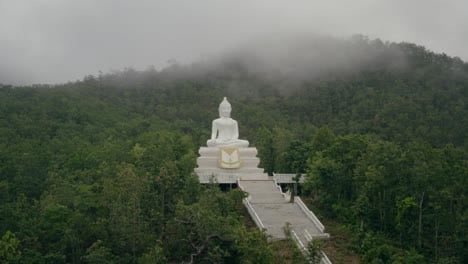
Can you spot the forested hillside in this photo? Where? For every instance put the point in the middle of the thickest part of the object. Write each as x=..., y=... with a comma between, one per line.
x=100, y=170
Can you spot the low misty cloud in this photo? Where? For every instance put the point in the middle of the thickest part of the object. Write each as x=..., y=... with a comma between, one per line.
x=53, y=41
x=307, y=57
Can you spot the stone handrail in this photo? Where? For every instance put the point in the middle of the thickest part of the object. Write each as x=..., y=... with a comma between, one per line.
x=298, y=241
x=310, y=214
x=323, y=257
x=252, y=212
x=285, y=195
x=246, y=202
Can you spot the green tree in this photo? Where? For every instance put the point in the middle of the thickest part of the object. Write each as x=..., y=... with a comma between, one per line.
x=98, y=253
x=128, y=228
x=266, y=150
x=9, y=248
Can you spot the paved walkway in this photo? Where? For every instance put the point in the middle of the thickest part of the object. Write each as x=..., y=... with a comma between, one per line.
x=274, y=211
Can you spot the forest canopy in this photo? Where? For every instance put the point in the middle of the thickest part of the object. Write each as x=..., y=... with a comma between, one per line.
x=100, y=170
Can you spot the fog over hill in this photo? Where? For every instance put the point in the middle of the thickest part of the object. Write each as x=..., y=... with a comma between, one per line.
x=306, y=57
x=56, y=41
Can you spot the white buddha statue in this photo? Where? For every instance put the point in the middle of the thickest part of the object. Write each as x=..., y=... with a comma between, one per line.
x=225, y=132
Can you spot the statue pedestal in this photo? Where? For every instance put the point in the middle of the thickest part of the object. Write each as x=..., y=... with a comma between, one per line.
x=215, y=166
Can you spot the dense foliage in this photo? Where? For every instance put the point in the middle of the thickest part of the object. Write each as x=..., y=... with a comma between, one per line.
x=99, y=170
x=393, y=197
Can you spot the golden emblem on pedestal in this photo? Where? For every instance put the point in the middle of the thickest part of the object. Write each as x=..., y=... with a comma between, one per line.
x=229, y=158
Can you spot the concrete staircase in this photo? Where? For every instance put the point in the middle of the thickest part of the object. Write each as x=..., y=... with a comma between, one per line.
x=270, y=209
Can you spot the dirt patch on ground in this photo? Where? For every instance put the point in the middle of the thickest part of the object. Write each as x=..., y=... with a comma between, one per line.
x=339, y=247
x=286, y=252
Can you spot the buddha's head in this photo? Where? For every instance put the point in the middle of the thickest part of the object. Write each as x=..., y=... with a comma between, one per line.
x=225, y=108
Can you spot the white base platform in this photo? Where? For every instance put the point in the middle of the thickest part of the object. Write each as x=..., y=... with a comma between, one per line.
x=209, y=170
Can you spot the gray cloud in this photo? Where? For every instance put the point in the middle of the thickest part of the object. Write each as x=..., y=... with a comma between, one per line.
x=51, y=41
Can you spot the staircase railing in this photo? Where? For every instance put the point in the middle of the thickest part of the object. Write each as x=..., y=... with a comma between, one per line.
x=285, y=195
x=323, y=257
x=250, y=209
x=310, y=214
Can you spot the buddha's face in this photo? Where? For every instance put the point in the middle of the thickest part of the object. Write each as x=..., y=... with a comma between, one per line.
x=225, y=111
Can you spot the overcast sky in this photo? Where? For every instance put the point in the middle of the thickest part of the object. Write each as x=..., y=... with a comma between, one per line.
x=54, y=41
